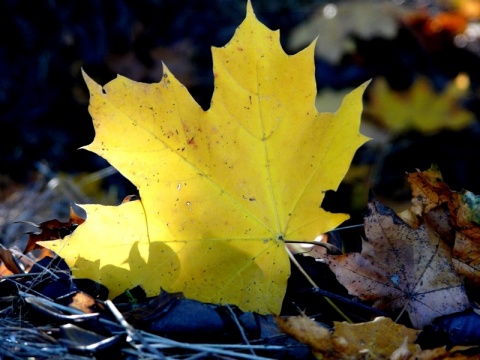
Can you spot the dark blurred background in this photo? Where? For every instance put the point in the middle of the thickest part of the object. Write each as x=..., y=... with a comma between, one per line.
x=45, y=44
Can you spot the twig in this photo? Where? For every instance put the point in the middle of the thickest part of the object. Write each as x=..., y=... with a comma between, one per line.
x=154, y=342
x=20, y=285
x=404, y=308
x=240, y=328
x=347, y=227
x=33, y=261
x=211, y=348
x=315, y=286
x=97, y=175
x=134, y=337
x=350, y=301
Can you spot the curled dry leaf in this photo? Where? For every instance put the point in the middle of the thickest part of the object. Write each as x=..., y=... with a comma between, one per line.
x=429, y=191
x=317, y=337
x=8, y=263
x=402, y=268
x=377, y=339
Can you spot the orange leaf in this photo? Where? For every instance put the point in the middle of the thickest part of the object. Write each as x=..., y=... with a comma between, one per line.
x=9, y=264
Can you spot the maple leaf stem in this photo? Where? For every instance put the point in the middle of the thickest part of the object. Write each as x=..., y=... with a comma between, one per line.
x=310, y=280
x=347, y=227
x=402, y=311
x=240, y=329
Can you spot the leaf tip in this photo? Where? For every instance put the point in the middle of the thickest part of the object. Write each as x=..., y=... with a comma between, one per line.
x=364, y=85
x=91, y=84
x=85, y=76
x=250, y=8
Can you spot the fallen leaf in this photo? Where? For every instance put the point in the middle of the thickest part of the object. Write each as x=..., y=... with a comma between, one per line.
x=402, y=268
x=220, y=189
x=377, y=339
x=337, y=22
x=429, y=191
x=402, y=352
x=457, y=353
x=13, y=261
x=84, y=302
x=466, y=259
x=317, y=337
x=8, y=263
x=419, y=108
x=52, y=230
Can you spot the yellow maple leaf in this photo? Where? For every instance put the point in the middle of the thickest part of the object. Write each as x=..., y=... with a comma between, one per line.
x=220, y=189
x=419, y=108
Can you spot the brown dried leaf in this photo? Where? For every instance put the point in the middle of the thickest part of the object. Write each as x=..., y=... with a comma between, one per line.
x=53, y=230
x=9, y=264
x=402, y=268
x=325, y=345
x=464, y=208
x=377, y=339
x=466, y=259
x=84, y=302
x=429, y=191
x=457, y=353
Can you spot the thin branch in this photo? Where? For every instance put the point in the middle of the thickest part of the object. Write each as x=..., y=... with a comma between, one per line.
x=310, y=280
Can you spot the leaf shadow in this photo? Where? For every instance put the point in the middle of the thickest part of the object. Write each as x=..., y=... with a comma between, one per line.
x=135, y=270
